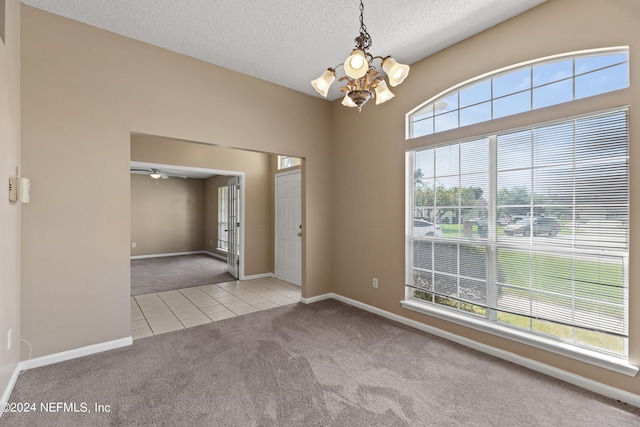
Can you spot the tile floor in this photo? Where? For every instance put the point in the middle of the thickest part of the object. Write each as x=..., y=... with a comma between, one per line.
x=154, y=314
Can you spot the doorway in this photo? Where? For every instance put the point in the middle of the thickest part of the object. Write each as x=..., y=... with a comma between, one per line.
x=256, y=287
x=175, y=223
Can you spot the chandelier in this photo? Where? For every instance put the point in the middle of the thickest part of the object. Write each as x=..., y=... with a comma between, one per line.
x=362, y=81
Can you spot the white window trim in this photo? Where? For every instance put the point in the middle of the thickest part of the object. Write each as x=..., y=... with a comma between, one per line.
x=407, y=117
x=610, y=362
x=601, y=360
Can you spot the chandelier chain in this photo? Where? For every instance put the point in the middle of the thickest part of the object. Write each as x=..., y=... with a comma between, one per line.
x=363, y=41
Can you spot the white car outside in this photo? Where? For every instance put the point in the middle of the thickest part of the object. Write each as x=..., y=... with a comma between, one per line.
x=424, y=228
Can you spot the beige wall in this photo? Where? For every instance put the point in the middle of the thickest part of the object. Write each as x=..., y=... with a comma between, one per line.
x=9, y=211
x=84, y=92
x=369, y=153
x=167, y=215
x=254, y=165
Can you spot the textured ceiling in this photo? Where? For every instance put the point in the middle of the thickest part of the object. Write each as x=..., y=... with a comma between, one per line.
x=290, y=42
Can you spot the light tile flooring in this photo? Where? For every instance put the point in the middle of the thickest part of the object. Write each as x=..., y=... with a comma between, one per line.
x=154, y=314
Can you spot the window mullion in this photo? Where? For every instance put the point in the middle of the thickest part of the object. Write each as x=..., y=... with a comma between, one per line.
x=459, y=185
x=492, y=255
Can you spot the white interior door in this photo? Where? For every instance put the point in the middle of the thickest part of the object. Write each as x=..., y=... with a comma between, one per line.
x=289, y=227
x=233, y=226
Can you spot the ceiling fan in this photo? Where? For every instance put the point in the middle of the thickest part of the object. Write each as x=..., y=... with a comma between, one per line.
x=155, y=173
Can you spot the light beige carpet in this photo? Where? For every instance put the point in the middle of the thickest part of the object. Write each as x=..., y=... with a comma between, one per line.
x=324, y=364
x=151, y=275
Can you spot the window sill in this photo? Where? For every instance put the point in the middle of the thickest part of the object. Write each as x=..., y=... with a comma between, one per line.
x=611, y=363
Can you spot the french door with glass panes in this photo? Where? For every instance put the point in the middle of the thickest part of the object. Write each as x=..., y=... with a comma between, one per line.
x=233, y=226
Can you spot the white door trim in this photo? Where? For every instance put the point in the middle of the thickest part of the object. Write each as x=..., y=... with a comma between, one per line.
x=241, y=233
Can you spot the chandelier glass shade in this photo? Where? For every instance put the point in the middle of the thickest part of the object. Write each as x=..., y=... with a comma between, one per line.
x=362, y=80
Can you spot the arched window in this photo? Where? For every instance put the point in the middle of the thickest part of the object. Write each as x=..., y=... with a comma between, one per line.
x=520, y=88
x=524, y=232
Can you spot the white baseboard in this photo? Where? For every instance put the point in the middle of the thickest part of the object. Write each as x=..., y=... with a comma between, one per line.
x=9, y=389
x=316, y=298
x=60, y=357
x=215, y=255
x=211, y=254
x=73, y=354
x=258, y=276
x=569, y=377
x=168, y=254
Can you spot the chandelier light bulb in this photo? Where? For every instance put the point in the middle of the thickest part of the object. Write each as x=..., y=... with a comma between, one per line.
x=356, y=65
x=356, y=62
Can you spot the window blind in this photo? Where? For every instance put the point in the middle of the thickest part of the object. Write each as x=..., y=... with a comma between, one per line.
x=533, y=229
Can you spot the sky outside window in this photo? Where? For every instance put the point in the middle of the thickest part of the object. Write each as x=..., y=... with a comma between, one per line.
x=523, y=89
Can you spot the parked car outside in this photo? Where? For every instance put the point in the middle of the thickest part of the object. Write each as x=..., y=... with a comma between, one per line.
x=536, y=225
x=504, y=219
x=424, y=228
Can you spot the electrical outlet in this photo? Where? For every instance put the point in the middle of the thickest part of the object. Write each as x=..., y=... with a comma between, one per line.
x=133, y=245
x=375, y=283
x=9, y=339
